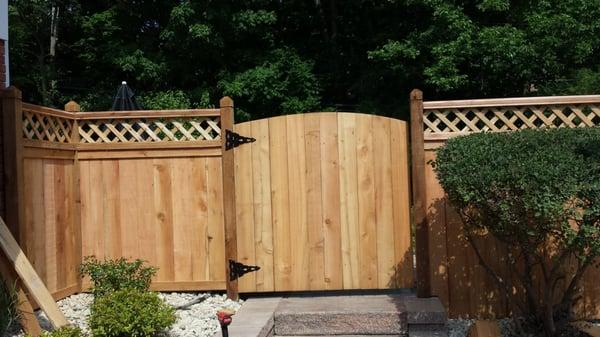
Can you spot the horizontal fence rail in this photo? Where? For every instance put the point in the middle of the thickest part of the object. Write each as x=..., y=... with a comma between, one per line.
x=447, y=266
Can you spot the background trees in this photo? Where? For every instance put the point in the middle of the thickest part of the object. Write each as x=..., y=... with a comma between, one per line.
x=277, y=57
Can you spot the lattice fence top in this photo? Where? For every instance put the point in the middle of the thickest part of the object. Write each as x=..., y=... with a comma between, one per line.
x=40, y=126
x=442, y=121
x=135, y=130
x=98, y=128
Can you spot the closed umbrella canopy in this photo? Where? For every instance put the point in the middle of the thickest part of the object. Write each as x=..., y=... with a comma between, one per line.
x=125, y=99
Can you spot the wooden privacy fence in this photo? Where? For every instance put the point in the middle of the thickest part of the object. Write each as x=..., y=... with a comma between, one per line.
x=446, y=265
x=319, y=201
x=136, y=184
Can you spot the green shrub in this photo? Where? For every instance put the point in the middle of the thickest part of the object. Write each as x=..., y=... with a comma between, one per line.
x=65, y=331
x=130, y=312
x=112, y=275
x=8, y=307
x=538, y=192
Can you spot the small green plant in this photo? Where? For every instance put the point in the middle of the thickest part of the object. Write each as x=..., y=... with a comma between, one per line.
x=65, y=331
x=112, y=275
x=8, y=307
x=130, y=312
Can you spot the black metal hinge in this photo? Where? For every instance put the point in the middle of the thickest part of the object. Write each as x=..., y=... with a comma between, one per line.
x=237, y=270
x=233, y=139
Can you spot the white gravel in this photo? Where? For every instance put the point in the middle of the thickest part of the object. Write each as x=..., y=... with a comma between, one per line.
x=198, y=320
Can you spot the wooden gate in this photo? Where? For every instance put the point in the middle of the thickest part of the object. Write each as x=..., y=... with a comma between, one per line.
x=322, y=203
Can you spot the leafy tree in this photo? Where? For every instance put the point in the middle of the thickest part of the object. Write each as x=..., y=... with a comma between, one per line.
x=355, y=54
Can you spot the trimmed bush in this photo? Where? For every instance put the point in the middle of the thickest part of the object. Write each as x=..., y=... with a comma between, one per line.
x=538, y=192
x=112, y=275
x=8, y=310
x=131, y=313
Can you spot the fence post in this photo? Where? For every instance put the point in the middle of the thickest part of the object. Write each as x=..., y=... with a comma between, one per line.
x=419, y=193
x=12, y=133
x=72, y=106
x=227, y=160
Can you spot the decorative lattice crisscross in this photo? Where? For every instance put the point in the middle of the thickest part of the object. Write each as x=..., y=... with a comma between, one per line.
x=39, y=126
x=480, y=119
x=135, y=130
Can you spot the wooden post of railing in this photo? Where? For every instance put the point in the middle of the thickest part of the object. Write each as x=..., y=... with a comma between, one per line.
x=226, y=107
x=12, y=115
x=72, y=106
x=419, y=193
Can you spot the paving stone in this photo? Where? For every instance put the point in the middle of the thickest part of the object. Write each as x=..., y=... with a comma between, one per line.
x=424, y=310
x=341, y=315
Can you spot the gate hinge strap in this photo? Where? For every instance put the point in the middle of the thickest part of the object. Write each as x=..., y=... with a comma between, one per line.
x=237, y=270
x=233, y=139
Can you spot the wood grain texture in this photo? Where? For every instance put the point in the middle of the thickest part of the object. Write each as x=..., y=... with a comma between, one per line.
x=323, y=198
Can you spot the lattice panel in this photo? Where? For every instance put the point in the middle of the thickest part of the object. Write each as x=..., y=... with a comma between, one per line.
x=38, y=126
x=135, y=130
x=464, y=120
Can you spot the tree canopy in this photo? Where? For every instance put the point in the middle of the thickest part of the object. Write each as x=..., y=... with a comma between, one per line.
x=279, y=57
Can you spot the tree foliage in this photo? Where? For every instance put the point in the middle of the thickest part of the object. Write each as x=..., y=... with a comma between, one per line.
x=279, y=57
x=538, y=193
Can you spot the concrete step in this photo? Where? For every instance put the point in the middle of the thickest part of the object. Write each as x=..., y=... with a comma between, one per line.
x=379, y=315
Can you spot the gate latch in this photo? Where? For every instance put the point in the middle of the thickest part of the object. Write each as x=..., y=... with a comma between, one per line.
x=233, y=139
x=237, y=269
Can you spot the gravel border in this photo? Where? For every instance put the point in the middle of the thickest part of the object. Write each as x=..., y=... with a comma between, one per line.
x=197, y=320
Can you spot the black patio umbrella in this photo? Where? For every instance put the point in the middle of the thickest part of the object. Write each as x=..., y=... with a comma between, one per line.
x=125, y=99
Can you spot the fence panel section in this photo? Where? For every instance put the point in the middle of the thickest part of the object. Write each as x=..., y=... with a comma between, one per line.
x=452, y=268
x=322, y=203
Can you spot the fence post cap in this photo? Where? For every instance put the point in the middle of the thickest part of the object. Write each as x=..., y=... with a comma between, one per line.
x=416, y=94
x=12, y=92
x=72, y=106
x=226, y=101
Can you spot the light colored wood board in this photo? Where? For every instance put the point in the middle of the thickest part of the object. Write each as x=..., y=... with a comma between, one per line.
x=216, y=234
x=297, y=202
x=170, y=152
x=163, y=203
x=263, y=226
x=188, y=286
x=111, y=207
x=128, y=185
x=244, y=207
x=43, y=153
x=513, y=101
x=229, y=214
x=31, y=280
x=366, y=203
x=278, y=138
x=199, y=220
x=403, y=250
x=459, y=277
x=38, y=246
x=84, y=192
x=384, y=217
x=436, y=214
x=72, y=236
x=27, y=317
x=182, y=226
x=49, y=225
x=62, y=219
x=485, y=329
x=330, y=189
x=147, y=226
x=347, y=145
x=314, y=202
